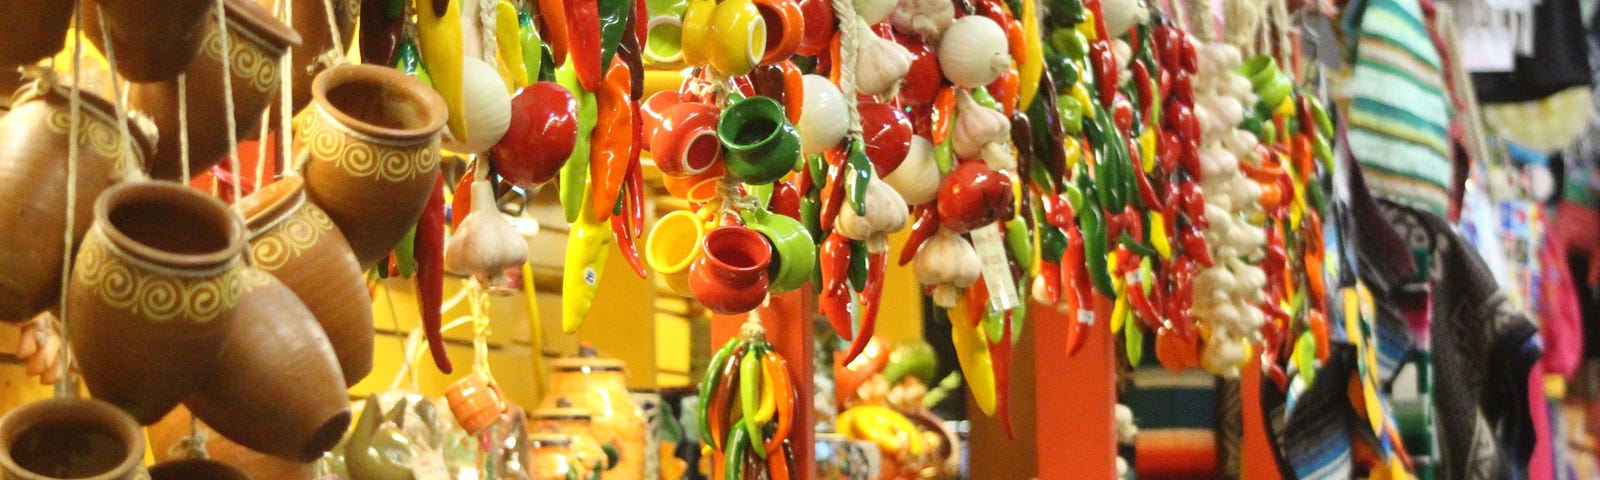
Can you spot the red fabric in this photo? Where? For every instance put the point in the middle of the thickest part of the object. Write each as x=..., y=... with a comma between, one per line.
x=1557, y=306
x=1542, y=465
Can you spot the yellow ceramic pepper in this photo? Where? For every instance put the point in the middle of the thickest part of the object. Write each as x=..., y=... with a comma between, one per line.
x=1158, y=235
x=439, y=37
x=972, y=350
x=588, y=243
x=1031, y=65
x=508, y=37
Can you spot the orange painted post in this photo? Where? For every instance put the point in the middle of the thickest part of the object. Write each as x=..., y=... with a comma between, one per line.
x=787, y=318
x=1075, y=398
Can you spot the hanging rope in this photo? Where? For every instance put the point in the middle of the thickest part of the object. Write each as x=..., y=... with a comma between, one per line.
x=227, y=104
x=65, y=388
x=286, y=95
x=1200, y=20
x=119, y=93
x=336, y=56
x=183, y=127
x=850, y=27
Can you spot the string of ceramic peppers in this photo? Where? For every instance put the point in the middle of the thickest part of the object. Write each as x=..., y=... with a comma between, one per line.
x=750, y=434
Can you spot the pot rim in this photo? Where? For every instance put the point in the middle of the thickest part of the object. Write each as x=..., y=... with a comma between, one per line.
x=760, y=257
x=63, y=410
x=216, y=466
x=270, y=205
x=433, y=106
x=177, y=194
x=261, y=24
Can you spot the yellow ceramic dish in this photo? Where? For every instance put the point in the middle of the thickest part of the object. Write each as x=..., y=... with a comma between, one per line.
x=739, y=38
x=673, y=245
x=697, y=27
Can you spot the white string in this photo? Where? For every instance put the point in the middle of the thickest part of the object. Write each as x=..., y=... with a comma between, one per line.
x=333, y=31
x=1201, y=21
x=65, y=387
x=850, y=27
x=183, y=127
x=480, y=329
x=119, y=93
x=486, y=31
x=261, y=147
x=286, y=94
x=227, y=104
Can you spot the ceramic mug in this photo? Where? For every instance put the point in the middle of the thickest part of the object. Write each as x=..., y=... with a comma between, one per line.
x=70, y=438
x=654, y=111
x=475, y=402
x=731, y=274
x=794, y=253
x=664, y=32
x=762, y=146
x=701, y=188
x=697, y=27
x=1269, y=83
x=674, y=245
x=785, y=25
x=685, y=143
x=738, y=37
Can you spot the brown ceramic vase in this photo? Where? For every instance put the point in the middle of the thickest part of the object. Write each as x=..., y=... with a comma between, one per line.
x=34, y=29
x=156, y=285
x=372, y=139
x=600, y=386
x=295, y=241
x=311, y=22
x=73, y=438
x=196, y=469
x=36, y=136
x=277, y=387
x=175, y=427
x=256, y=40
x=153, y=40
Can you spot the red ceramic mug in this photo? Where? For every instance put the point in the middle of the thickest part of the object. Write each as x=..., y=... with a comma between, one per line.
x=654, y=111
x=686, y=142
x=731, y=274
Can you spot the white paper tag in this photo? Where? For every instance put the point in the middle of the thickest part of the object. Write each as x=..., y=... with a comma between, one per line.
x=430, y=466
x=991, y=246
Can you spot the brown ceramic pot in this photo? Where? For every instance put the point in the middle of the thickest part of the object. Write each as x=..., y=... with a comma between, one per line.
x=157, y=282
x=600, y=386
x=34, y=29
x=175, y=427
x=70, y=438
x=153, y=40
x=33, y=171
x=311, y=22
x=372, y=138
x=277, y=387
x=295, y=241
x=256, y=40
x=196, y=469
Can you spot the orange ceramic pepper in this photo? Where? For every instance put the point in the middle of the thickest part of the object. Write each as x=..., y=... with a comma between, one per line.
x=553, y=17
x=944, y=105
x=611, y=144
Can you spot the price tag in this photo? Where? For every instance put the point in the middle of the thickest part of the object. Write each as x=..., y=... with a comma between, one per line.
x=990, y=243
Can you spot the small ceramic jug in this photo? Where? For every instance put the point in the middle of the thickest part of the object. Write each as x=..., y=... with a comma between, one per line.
x=372, y=139
x=74, y=438
x=673, y=245
x=475, y=402
x=576, y=425
x=762, y=146
x=294, y=240
x=33, y=172
x=731, y=274
x=255, y=41
x=600, y=386
x=152, y=40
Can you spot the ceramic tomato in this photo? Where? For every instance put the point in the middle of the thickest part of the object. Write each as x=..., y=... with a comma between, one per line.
x=543, y=130
x=974, y=195
x=887, y=133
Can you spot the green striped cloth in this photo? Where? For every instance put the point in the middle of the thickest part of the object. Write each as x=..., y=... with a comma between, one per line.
x=1399, y=113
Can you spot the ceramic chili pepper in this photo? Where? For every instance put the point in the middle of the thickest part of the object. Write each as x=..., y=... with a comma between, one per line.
x=575, y=173
x=778, y=370
x=612, y=141
x=1092, y=223
x=614, y=24
x=709, y=382
x=849, y=377
x=877, y=264
x=834, y=297
x=861, y=171
x=750, y=380
x=972, y=351
x=439, y=37
x=1076, y=290
x=430, y=274
x=621, y=234
x=721, y=401
x=587, y=248
x=380, y=34
x=584, y=41
x=833, y=189
x=944, y=107
x=633, y=190
x=553, y=26
x=926, y=225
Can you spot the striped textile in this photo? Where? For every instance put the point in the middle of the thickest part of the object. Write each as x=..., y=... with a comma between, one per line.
x=1399, y=114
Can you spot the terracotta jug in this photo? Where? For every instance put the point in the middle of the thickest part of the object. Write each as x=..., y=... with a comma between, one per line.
x=277, y=387
x=372, y=139
x=553, y=457
x=34, y=29
x=256, y=40
x=295, y=241
x=196, y=469
x=157, y=283
x=33, y=172
x=153, y=40
x=600, y=385
x=577, y=425
x=70, y=438
x=311, y=22
x=167, y=434
x=731, y=277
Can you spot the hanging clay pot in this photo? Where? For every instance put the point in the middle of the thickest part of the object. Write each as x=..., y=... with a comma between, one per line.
x=157, y=282
x=277, y=387
x=373, y=146
x=731, y=275
x=295, y=241
x=166, y=434
x=600, y=385
x=70, y=438
x=34, y=29
x=153, y=40
x=255, y=42
x=310, y=18
x=196, y=469
x=33, y=169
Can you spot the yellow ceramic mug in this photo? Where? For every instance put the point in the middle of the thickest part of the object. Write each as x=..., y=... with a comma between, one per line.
x=739, y=38
x=673, y=245
x=697, y=31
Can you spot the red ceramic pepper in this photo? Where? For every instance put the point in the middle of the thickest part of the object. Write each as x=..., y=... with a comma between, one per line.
x=834, y=297
x=633, y=187
x=429, y=250
x=877, y=264
x=944, y=105
x=553, y=20
x=926, y=225
x=833, y=189
x=624, y=239
x=1075, y=280
x=583, y=41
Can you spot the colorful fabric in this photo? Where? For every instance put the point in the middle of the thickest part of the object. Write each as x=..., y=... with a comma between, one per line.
x=1400, y=114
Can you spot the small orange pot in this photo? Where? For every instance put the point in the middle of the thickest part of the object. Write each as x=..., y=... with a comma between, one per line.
x=785, y=28
x=475, y=402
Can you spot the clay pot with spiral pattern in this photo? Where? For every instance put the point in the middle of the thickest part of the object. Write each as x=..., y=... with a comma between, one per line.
x=37, y=135
x=255, y=42
x=372, y=142
x=153, y=40
x=157, y=284
x=295, y=241
x=35, y=29
x=70, y=438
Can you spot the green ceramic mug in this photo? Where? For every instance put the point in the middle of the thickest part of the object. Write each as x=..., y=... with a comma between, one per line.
x=1269, y=83
x=761, y=145
x=794, y=253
